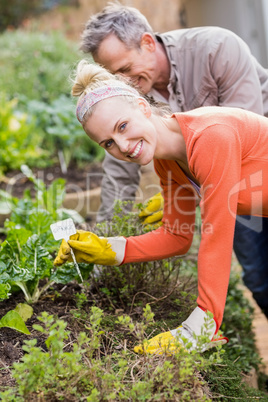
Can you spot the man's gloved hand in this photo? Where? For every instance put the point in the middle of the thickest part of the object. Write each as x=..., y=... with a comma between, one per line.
x=188, y=336
x=153, y=212
x=91, y=249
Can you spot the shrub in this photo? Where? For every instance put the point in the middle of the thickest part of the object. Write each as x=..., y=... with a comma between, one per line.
x=36, y=65
x=19, y=138
x=62, y=131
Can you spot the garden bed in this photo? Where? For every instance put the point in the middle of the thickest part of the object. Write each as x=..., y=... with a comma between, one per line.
x=86, y=177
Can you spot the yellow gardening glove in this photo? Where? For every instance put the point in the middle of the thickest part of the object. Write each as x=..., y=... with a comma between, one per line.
x=185, y=336
x=153, y=212
x=91, y=249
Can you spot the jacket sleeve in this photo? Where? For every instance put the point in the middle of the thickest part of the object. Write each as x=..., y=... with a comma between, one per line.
x=175, y=236
x=233, y=68
x=215, y=161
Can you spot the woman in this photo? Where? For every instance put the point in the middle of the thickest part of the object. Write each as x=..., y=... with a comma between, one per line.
x=215, y=154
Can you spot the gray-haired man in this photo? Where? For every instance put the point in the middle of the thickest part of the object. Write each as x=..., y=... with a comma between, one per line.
x=186, y=68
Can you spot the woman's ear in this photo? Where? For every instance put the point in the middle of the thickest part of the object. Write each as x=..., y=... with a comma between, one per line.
x=144, y=106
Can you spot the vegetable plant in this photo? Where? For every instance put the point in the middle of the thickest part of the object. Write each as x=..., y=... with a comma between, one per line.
x=19, y=138
x=26, y=255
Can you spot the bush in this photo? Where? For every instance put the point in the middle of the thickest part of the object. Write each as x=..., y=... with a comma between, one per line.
x=19, y=139
x=36, y=65
x=62, y=131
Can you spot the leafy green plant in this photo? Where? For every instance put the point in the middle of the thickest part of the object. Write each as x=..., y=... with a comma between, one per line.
x=19, y=139
x=4, y=291
x=36, y=65
x=63, y=133
x=26, y=255
x=16, y=318
x=24, y=262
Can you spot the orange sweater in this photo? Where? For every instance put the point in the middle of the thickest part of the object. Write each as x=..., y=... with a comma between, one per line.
x=227, y=151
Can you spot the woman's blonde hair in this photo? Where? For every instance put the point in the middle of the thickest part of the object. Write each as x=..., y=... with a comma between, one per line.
x=90, y=76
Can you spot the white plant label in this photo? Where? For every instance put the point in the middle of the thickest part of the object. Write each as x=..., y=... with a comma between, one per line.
x=63, y=230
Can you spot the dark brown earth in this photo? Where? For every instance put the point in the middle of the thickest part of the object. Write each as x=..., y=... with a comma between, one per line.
x=86, y=178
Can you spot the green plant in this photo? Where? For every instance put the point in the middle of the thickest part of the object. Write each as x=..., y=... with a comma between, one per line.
x=4, y=291
x=226, y=383
x=36, y=65
x=53, y=371
x=19, y=138
x=16, y=318
x=63, y=133
x=131, y=286
x=84, y=371
x=242, y=347
x=26, y=254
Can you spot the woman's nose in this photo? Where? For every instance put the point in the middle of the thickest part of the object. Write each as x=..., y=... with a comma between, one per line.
x=123, y=145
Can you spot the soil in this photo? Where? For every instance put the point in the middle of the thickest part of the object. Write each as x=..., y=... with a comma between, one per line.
x=83, y=178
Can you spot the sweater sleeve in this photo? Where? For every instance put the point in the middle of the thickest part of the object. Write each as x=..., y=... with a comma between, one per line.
x=215, y=160
x=175, y=236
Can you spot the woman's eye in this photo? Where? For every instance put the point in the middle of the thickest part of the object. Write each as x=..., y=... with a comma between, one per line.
x=122, y=126
x=108, y=143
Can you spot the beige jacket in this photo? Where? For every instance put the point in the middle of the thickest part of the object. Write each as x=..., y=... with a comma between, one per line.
x=211, y=66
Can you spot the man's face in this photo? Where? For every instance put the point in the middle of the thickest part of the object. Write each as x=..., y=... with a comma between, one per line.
x=139, y=64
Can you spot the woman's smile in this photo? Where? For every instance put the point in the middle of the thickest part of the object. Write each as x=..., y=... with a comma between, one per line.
x=136, y=152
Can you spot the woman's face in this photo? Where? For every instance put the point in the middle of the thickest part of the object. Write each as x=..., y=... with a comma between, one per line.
x=123, y=129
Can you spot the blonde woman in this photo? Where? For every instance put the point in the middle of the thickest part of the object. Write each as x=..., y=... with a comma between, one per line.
x=215, y=154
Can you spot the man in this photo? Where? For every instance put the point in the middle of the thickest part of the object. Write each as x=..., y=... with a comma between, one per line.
x=186, y=68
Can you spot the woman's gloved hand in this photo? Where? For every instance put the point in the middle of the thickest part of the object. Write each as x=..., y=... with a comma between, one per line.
x=190, y=335
x=153, y=212
x=91, y=249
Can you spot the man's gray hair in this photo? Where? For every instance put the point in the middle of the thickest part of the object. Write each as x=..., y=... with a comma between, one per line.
x=127, y=23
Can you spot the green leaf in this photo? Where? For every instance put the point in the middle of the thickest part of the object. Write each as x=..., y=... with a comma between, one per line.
x=54, y=196
x=24, y=310
x=13, y=320
x=4, y=291
x=68, y=272
x=34, y=256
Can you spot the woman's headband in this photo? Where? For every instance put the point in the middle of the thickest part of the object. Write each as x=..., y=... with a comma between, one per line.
x=98, y=94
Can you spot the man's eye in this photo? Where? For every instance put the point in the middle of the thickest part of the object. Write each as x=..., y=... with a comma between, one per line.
x=124, y=70
x=108, y=143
